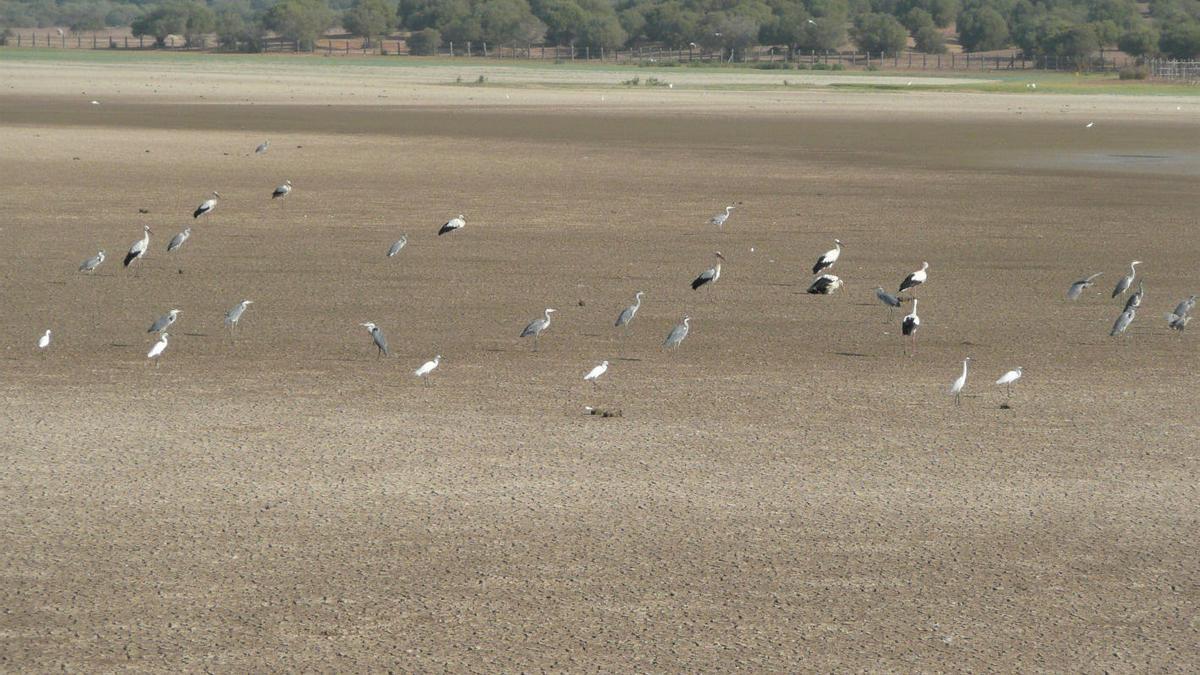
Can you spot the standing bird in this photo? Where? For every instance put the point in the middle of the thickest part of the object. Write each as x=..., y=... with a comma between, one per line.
x=828, y=258
x=961, y=382
x=915, y=279
x=594, y=374
x=139, y=247
x=178, y=239
x=720, y=218
x=1008, y=378
x=92, y=263
x=888, y=299
x=377, y=336
x=161, y=323
x=207, y=206
x=399, y=244
x=709, y=275
x=262, y=148
x=1179, y=318
x=909, y=325
x=427, y=368
x=456, y=223
x=1082, y=285
x=1122, y=322
x=1135, y=300
x=537, y=326
x=627, y=314
x=234, y=315
x=44, y=341
x=282, y=190
x=678, y=333
x=158, y=348
x=825, y=285
x=1126, y=281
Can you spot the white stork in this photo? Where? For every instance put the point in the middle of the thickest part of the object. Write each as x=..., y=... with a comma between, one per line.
x=909, y=325
x=709, y=275
x=207, y=206
x=825, y=284
x=139, y=247
x=915, y=279
x=456, y=223
x=283, y=190
x=828, y=258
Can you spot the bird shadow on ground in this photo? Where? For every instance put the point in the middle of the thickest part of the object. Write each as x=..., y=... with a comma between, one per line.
x=625, y=358
x=119, y=344
x=854, y=354
x=196, y=334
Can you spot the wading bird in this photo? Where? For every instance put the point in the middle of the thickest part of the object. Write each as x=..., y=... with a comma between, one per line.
x=909, y=325
x=825, y=285
x=709, y=275
x=158, y=348
x=92, y=263
x=44, y=340
x=627, y=314
x=161, y=323
x=957, y=387
x=720, y=218
x=208, y=205
x=1082, y=285
x=234, y=315
x=397, y=246
x=594, y=374
x=1179, y=318
x=915, y=279
x=282, y=190
x=1008, y=378
x=1126, y=281
x=262, y=148
x=178, y=239
x=456, y=223
x=537, y=327
x=1122, y=322
x=427, y=368
x=888, y=299
x=678, y=333
x=377, y=336
x=828, y=258
x=1135, y=300
x=139, y=247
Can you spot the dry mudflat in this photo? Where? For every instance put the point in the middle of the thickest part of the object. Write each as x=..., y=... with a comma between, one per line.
x=785, y=492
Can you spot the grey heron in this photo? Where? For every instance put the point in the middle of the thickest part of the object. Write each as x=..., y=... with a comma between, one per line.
x=282, y=190
x=888, y=299
x=158, y=348
x=44, y=340
x=377, y=336
x=262, y=148
x=828, y=258
x=456, y=223
x=1082, y=285
x=427, y=368
x=161, y=323
x=709, y=275
x=720, y=218
x=234, y=315
x=627, y=314
x=909, y=325
x=594, y=374
x=397, y=246
x=1178, y=319
x=1135, y=300
x=538, y=326
x=178, y=239
x=139, y=247
x=915, y=279
x=1185, y=307
x=208, y=205
x=1122, y=322
x=1008, y=378
x=825, y=284
x=92, y=263
x=678, y=333
x=957, y=387
x=1126, y=281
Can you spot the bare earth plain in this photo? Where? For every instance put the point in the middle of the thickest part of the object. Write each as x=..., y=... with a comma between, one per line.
x=786, y=492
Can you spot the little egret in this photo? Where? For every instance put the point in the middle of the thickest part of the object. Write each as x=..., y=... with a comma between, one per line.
x=427, y=368
x=44, y=341
x=1008, y=378
x=158, y=348
x=594, y=374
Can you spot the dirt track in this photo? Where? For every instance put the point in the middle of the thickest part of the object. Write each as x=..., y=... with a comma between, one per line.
x=786, y=492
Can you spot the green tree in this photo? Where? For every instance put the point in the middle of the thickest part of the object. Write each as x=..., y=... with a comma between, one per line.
x=602, y=31
x=788, y=26
x=301, y=20
x=369, y=19
x=982, y=29
x=1078, y=43
x=930, y=40
x=1141, y=40
x=506, y=21
x=1180, y=40
x=672, y=24
x=916, y=18
x=424, y=42
x=874, y=33
x=189, y=19
x=563, y=18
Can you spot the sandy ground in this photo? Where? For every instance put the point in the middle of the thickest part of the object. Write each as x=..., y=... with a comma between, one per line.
x=785, y=492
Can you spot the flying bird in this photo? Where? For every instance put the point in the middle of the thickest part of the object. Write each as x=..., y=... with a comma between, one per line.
x=427, y=368
x=1122, y=322
x=915, y=279
x=262, y=148
x=161, y=323
x=720, y=218
x=207, y=206
x=92, y=263
x=282, y=190
x=456, y=223
x=709, y=275
x=537, y=327
x=178, y=239
x=957, y=387
x=397, y=245
x=828, y=258
x=158, y=348
x=1008, y=378
x=594, y=374
x=1135, y=300
x=139, y=247
x=627, y=314
x=1080, y=286
x=1126, y=281
x=825, y=285
x=678, y=333
x=44, y=340
x=909, y=325
x=377, y=336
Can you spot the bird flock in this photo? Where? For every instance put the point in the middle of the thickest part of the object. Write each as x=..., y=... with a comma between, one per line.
x=823, y=283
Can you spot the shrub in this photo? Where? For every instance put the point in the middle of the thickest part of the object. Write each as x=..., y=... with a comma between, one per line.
x=773, y=65
x=837, y=66
x=1134, y=73
x=424, y=42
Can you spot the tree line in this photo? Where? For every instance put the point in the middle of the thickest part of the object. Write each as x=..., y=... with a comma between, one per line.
x=1070, y=28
